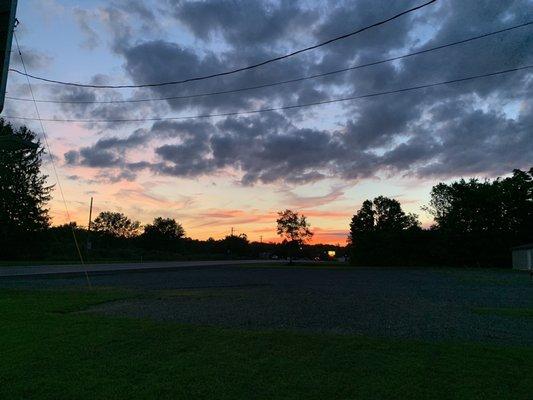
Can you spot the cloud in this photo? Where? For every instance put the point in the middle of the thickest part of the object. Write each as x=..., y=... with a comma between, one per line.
x=253, y=23
x=477, y=127
x=294, y=200
x=228, y=217
x=33, y=59
x=106, y=152
x=83, y=18
x=333, y=236
x=269, y=149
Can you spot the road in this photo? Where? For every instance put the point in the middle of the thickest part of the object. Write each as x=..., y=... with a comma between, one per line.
x=76, y=269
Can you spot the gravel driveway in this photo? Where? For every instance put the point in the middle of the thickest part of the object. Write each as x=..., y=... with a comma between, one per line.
x=429, y=304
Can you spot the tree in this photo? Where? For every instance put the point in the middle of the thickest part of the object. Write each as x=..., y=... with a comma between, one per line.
x=389, y=215
x=502, y=205
x=383, y=214
x=23, y=189
x=166, y=228
x=293, y=228
x=115, y=224
x=480, y=220
x=235, y=244
x=517, y=199
x=381, y=233
x=163, y=233
x=362, y=221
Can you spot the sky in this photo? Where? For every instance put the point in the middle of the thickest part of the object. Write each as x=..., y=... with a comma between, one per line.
x=215, y=174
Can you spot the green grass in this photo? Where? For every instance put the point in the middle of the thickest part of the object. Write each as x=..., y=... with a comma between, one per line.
x=50, y=351
x=505, y=312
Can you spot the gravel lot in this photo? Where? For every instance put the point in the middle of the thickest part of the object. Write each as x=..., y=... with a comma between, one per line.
x=428, y=304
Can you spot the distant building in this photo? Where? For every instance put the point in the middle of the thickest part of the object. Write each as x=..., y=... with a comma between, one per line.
x=523, y=257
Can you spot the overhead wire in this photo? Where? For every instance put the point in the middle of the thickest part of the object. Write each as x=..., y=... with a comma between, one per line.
x=249, y=67
x=281, y=108
x=265, y=85
x=45, y=136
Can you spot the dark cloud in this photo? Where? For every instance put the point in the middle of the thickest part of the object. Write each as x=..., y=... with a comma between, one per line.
x=159, y=60
x=191, y=156
x=106, y=152
x=477, y=127
x=33, y=59
x=107, y=177
x=249, y=23
x=72, y=157
x=268, y=148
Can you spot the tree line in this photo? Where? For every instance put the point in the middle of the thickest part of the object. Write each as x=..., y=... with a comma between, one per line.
x=476, y=224
x=115, y=237
x=26, y=232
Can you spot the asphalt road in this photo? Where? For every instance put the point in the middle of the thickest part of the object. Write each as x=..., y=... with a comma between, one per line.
x=76, y=269
x=428, y=304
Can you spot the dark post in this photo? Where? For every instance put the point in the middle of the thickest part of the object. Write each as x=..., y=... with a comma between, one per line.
x=7, y=22
x=89, y=245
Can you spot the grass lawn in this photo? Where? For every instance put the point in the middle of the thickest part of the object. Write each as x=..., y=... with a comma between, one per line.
x=50, y=351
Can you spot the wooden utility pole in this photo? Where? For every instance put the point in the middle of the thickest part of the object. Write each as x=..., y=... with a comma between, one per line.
x=89, y=228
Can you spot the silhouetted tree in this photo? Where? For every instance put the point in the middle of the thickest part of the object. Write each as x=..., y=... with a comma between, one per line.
x=383, y=214
x=235, y=244
x=163, y=234
x=517, y=201
x=115, y=224
x=480, y=220
x=363, y=220
x=166, y=228
x=389, y=216
x=23, y=193
x=378, y=232
x=501, y=205
x=23, y=190
x=293, y=228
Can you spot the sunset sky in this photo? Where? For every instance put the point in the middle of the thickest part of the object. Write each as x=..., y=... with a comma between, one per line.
x=212, y=174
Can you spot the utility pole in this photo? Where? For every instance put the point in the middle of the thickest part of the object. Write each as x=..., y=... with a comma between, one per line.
x=261, y=239
x=8, y=22
x=232, y=231
x=89, y=228
x=8, y=9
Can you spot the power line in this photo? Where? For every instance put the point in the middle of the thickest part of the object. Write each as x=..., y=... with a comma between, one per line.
x=354, y=67
x=261, y=110
x=252, y=66
x=45, y=136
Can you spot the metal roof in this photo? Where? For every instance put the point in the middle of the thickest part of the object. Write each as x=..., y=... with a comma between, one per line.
x=523, y=247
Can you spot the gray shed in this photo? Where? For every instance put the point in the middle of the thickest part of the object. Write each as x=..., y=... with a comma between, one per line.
x=523, y=257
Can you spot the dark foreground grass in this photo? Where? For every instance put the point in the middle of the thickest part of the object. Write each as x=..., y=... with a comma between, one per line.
x=49, y=351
